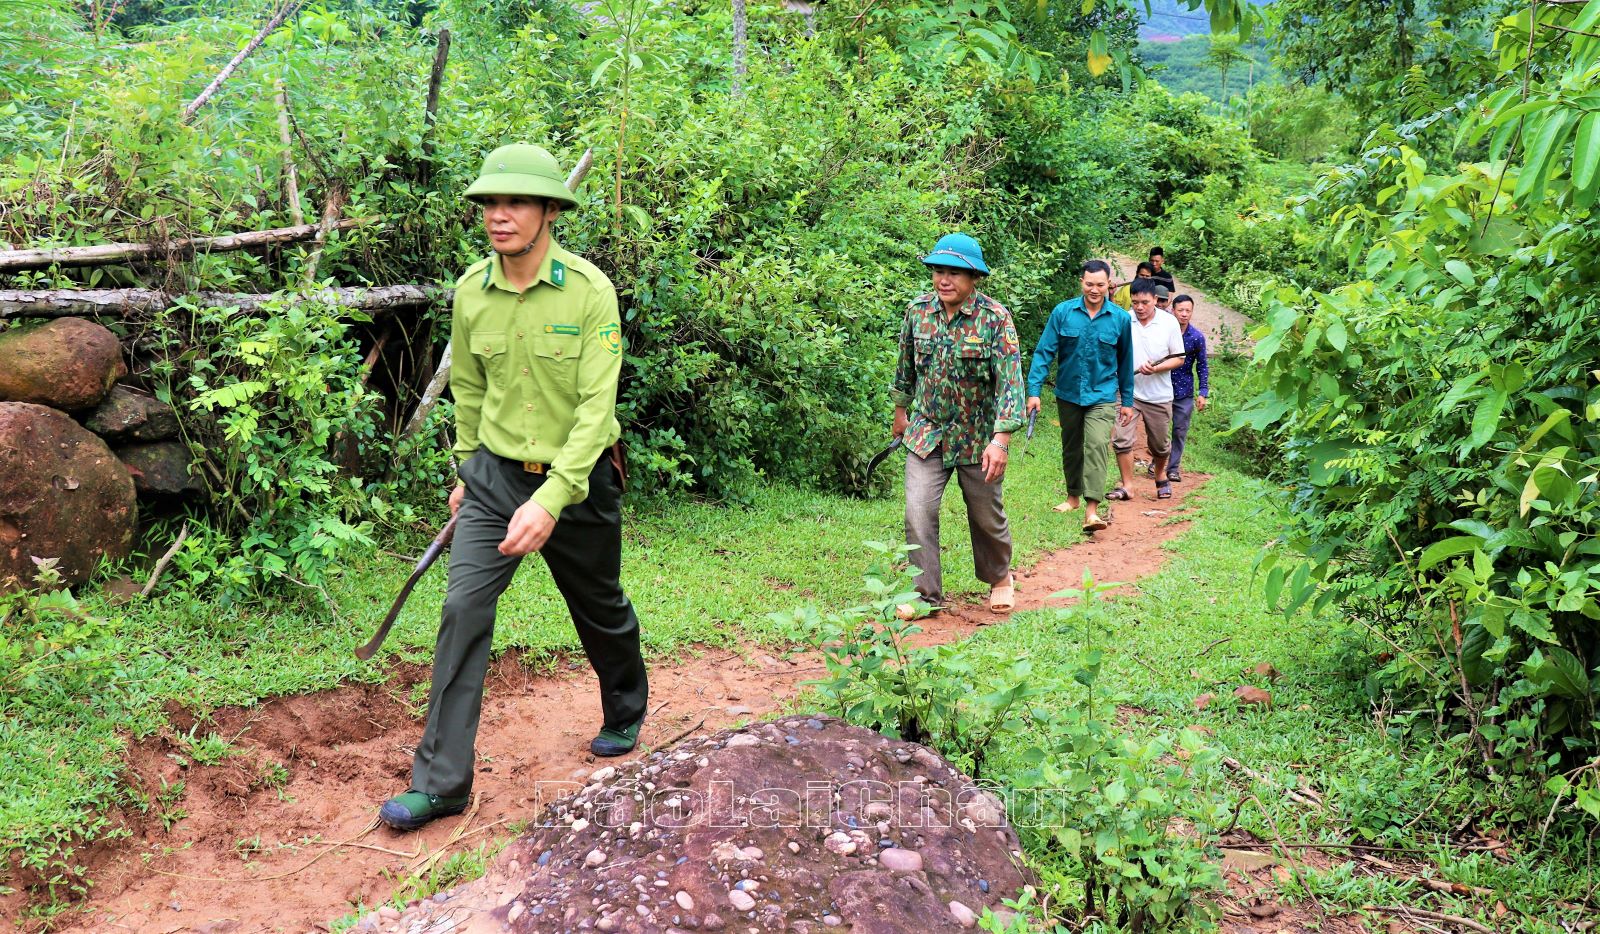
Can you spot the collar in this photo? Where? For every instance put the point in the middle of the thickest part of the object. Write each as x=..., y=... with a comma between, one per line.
x=552, y=270
x=1105, y=305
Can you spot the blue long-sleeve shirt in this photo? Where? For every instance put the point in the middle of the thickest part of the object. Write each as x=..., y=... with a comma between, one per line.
x=1093, y=356
x=1194, y=361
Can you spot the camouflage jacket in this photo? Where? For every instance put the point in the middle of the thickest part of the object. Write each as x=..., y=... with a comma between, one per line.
x=959, y=377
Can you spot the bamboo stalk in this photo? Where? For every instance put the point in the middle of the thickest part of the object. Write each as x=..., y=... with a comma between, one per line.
x=105, y=253
x=292, y=6
x=128, y=303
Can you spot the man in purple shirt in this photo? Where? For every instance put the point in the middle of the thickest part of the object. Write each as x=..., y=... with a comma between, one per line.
x=1186, y=396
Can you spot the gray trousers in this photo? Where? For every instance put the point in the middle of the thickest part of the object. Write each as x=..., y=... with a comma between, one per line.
x=1182, y=412
x=926, y=478
x=584, y=555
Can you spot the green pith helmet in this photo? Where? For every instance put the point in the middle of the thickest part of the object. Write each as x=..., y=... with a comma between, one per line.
x=521, y=169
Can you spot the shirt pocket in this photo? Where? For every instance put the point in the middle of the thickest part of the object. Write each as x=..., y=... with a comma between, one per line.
x=1068, y=340
x=1107, y=344
x=974, y=363
x=490, y=349
x=556, y=356
x=924, y=348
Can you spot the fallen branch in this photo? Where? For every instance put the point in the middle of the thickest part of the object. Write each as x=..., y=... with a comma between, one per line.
x=292, y=6
x=1214, y=645
x=1240, y=767
x=1403, y=911
x=166, y=559
x=127, y=303
x=104, y=253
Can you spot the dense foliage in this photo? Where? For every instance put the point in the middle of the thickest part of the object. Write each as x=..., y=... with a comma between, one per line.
x=1442, y=417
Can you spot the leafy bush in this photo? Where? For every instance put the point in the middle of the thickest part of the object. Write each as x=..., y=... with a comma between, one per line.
x=1083, y=795
x=1442, y=413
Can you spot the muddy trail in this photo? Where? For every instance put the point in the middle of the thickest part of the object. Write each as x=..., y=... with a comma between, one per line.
x=280, y=836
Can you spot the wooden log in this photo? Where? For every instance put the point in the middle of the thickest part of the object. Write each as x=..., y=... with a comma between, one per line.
x=128, y=303
x=441, y=376
x=291, y=174
x=289, y=7
x=102, y=254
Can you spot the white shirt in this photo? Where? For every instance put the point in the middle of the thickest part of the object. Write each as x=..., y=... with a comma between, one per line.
x=1152, y=343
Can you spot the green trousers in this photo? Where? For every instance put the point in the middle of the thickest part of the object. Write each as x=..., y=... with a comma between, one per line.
x=584, y=555
x=1085, y=443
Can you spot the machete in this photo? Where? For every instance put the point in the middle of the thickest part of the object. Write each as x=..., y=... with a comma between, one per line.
x=435, y=549
x=878, y=458
x=1027, y=443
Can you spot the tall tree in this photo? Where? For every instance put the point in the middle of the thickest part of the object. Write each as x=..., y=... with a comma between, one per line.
x=1223, y=55
x=741, y=40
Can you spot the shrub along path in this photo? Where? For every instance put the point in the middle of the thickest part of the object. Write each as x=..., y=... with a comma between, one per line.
x=232, y=848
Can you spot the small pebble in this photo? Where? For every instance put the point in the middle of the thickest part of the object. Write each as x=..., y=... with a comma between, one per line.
x=682, y=860
x=579, y=825
x=983, y=885
x=814, y=724
x=514, y=913
x=791, y=739
x=754, y=853
x=832, y=921
x=741, y=900
x=794, y=847
x=388, y=912
x=963, y=915
x=544, y=857
x=595, y=858
x=839, y=844
x=441, y=897
x=895, y=859
x=684, y=900
x=605, y=924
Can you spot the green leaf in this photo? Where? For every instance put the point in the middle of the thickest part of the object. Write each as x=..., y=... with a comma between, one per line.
x=1486, y=419
x=1461, y=271
x=1337, y=336
x=1565, y=673
x=1099, y=57
x=1587, y=150
x=1536, y=167
x=1448, y=548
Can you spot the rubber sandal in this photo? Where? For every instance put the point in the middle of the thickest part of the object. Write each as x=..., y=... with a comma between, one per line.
x=1098, y=525
x=1119, y=494
x=1163, y=491
x=1003, y=597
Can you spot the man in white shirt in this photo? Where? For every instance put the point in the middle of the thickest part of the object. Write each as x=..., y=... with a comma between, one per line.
x=1157, y=351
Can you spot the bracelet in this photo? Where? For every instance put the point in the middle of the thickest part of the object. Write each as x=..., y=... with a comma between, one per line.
x=1003, y=447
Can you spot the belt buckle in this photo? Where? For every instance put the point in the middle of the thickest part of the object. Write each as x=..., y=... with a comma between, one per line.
x=533, y=467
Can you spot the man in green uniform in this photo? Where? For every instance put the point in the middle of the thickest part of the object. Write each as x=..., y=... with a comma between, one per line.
x=537, y=347
x=957, y=395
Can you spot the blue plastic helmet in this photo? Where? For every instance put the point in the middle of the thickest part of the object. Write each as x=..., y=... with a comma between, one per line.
x=957, y=251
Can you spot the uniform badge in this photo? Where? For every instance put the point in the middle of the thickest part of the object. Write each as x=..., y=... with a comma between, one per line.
x=571, y=329
x=558, y=273
x=611, y=337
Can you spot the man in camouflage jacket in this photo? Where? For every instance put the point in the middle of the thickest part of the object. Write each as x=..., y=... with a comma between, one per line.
x=958, y=396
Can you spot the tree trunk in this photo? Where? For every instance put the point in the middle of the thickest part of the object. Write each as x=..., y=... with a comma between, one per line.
x=107, y=253
x=429, y=112
x=128, y=303
x=740, y=41
x=291, y=175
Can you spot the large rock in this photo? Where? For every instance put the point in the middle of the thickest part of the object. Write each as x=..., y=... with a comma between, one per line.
x=803, y=824
x=160, y=469
x=67, y=364
x=127, y=415
x=62, y=495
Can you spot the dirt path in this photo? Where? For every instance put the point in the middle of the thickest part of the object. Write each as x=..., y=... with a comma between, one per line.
x=229, y=846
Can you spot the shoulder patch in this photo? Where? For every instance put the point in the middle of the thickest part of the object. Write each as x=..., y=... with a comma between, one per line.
x=558, y=273
x=610, y=335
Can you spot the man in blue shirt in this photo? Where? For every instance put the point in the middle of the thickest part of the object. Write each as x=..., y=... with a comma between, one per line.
x=1090, y=341
x=1186, y=395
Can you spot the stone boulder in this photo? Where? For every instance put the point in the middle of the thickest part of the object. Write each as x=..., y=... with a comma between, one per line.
x=127, y=415
x=802, y=824
x=69, y=364
x=63, y=495
x=160, y=469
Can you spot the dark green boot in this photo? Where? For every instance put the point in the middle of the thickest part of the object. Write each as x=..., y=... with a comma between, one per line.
x=616, y=742
x=414, y=808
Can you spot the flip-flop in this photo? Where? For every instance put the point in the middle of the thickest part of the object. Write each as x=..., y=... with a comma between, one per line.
x=1099, y=524
x=1003, y=597
x=1120, y=494
x=1163, y=491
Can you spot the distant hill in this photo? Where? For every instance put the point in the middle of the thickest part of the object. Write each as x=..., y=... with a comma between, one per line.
x=1181, y=66
x=1171, y=19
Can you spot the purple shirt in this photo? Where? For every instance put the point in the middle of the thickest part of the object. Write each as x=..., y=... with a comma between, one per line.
x=1194, y=358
